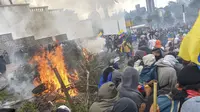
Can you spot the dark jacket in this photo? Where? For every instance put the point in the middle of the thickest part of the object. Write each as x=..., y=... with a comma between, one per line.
x=107, y=98
x=125, y=105
x=128, y=87
x=2, y=65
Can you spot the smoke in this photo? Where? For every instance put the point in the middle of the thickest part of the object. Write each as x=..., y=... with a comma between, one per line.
x=81, y=7
x=20, y=82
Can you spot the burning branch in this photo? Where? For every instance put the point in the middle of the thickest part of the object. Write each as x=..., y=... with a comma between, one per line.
x=54, y=75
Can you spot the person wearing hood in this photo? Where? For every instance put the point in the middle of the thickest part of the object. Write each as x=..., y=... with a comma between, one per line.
x=107, y=73
x=158, y=44
x=125, y=105
x=149, y=61
x=186, y=97
x=116, y=77
x=107, y=97
x=129, y=86
x=136, y=62
x=167, y=76
x=158, y=53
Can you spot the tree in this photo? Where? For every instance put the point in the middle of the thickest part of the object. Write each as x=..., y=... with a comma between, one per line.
x=137, y=20
x=149, y=19
x=168, y=18
x=195, y=4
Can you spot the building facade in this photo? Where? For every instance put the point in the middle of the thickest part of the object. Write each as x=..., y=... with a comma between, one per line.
x=150, y=6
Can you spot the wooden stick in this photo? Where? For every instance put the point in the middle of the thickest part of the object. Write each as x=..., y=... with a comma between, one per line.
x=87, y=90
x=64, y=89
x=155, y=97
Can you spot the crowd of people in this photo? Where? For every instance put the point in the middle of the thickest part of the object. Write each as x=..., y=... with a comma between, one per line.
x=131, y=89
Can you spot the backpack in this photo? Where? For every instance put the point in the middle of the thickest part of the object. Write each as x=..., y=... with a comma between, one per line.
x=167, y=104
x=148, y=74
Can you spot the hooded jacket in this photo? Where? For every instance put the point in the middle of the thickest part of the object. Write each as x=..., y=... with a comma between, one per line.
x=167, y=77
x=116, y=77
x=149, y=59
x=106, y=76
x=107, y=95
x=128, y=87
x=125, y=105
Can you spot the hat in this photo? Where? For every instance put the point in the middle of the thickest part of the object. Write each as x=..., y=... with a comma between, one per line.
x=107, y=91
x=190, y=75
x=158, y=44
x=191, y=105
x=63, y=108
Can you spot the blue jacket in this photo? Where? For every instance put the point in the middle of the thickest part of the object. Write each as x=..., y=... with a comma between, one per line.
x=101, y=82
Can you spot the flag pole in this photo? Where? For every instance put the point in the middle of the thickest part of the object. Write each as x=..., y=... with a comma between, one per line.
x=155, y=97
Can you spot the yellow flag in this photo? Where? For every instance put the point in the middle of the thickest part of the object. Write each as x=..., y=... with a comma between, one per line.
x=120, y=32
x=190, y=46
x=100, y=34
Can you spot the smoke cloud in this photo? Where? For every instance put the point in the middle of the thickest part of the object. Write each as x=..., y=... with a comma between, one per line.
x=82, y=7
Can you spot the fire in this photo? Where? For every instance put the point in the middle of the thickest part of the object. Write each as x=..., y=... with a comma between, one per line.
x=86, y=54
x=55, y=58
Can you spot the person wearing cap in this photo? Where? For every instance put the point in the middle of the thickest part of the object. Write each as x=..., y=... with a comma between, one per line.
x=107, y=97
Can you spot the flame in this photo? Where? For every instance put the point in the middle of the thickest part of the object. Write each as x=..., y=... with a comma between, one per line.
x=87, y=55
x=47, y=75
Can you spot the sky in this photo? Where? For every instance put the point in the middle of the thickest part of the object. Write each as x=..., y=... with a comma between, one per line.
x=130, y=4
x=84, y=7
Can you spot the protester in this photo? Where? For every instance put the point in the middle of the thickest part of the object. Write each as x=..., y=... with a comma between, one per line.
x=2, y=65
x=152, y=43
x=109, y=44
x=127, y=49
x=158, y=53
x=125, y=105
x=6, y=57
x=107, y=73
x=191, y=105
x=106, y=76
x=149, y=61
x=142, y=42
x=63, y=108
x=188, y=87
x=136, y=62
x=166, y=73
x=129, y=85
x=116, y=77
x=107, y=95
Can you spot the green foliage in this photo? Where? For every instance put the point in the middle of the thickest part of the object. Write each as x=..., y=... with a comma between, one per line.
x=28, y=107
x=81, y=108
x=168, y=17
x=137, y=20
x=195, y=4
x=3, y=95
